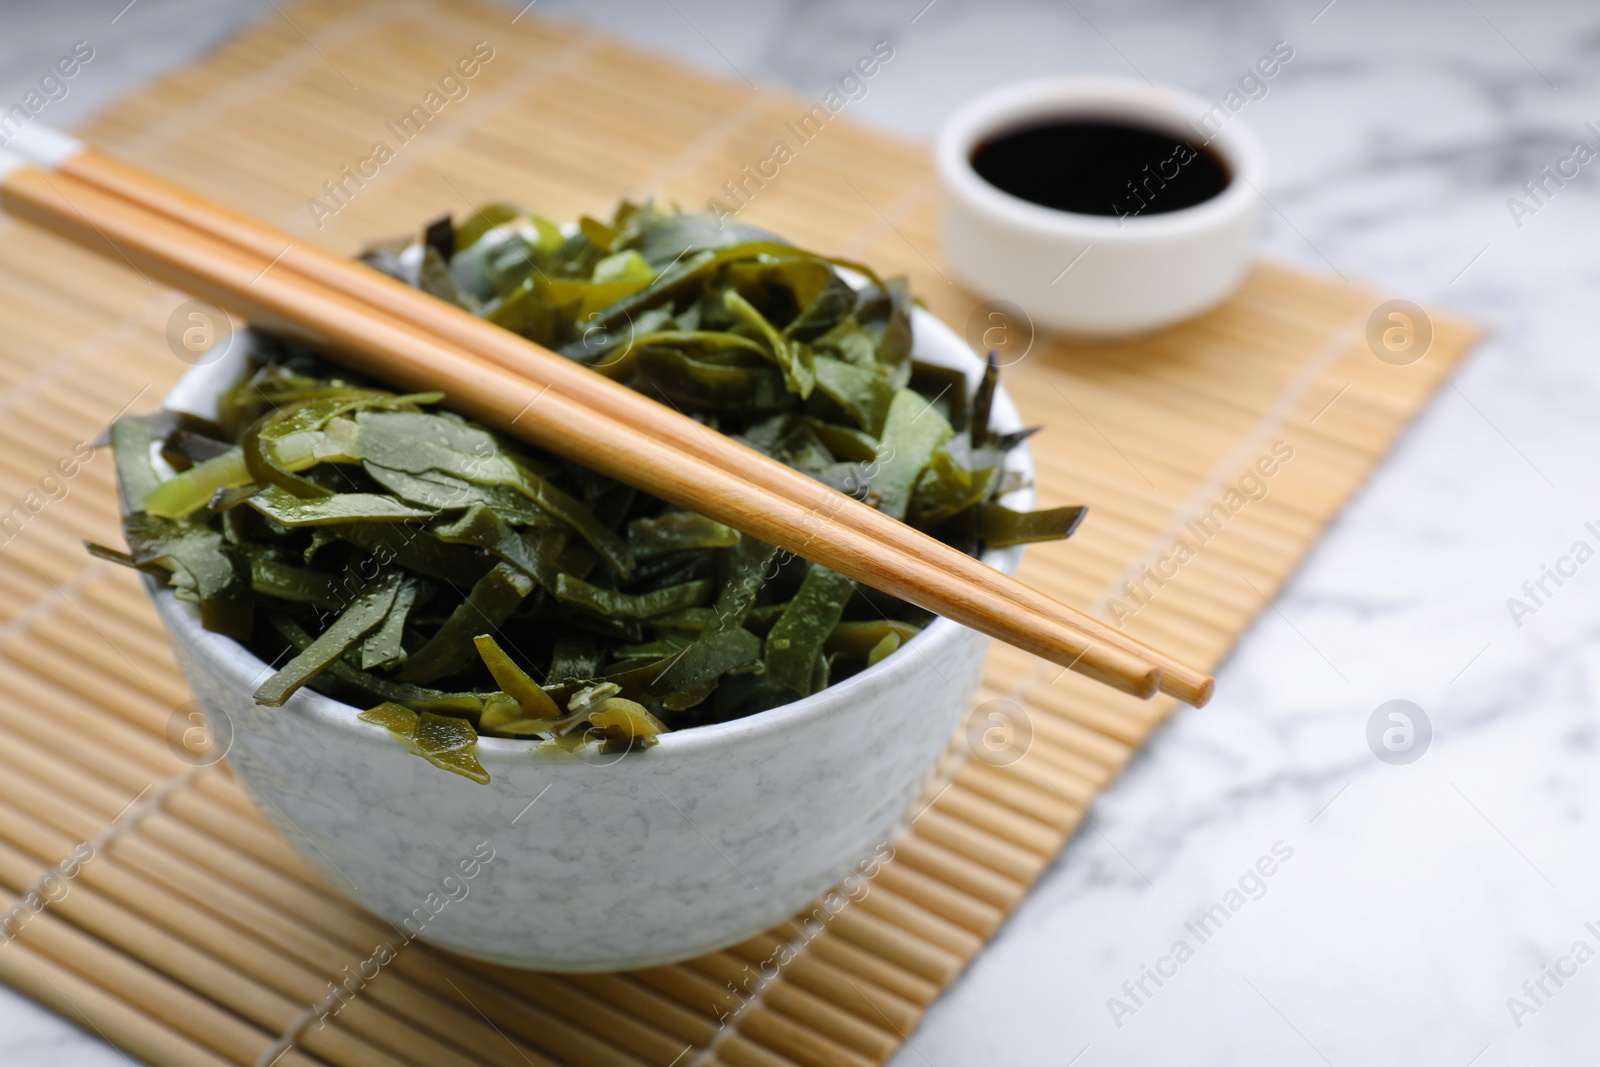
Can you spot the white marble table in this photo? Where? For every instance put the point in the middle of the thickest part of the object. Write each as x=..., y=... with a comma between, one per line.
x=1418, y=898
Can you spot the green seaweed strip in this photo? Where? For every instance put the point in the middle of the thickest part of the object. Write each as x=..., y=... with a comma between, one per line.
x=1000, y=527
x=416, y=443
x=442, y=491
x=844, y=442
x=697, y=383
x=413, y=549
x=415, y=697
x=625, y=724
x=725, y=644
x=861, y=391
x=794, y=359
x=181, y=496
x=363, y=615
x=201, y=567
x=981, y=428
x=860, y=638
x=283, y=507
x=712, y=655
x=533, y=552
x=448, y=743
x=797, y=638
x=132, y=438
x=890, y=643
x=451, y=744
x=533, y=701
x=946, y=489
x=490, y=603
x=575, y=659
x=299, y=585
x=383, y=647
x=609, y=602
x=677, y=531
x=912, y=434
x=946, y=387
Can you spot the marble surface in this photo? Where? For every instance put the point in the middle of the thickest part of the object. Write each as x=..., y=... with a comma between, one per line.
x=1418, y=898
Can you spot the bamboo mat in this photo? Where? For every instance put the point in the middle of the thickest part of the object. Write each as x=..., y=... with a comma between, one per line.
x=179, y=926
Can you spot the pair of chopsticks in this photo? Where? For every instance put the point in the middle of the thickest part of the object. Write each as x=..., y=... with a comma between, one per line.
x=406, y=337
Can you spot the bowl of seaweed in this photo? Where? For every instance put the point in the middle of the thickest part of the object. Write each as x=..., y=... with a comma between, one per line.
x=535, y=715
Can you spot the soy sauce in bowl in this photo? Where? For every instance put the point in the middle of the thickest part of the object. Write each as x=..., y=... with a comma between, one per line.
x=1101, y=167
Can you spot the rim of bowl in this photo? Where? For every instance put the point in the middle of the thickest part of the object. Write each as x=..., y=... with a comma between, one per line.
x=1171, y=110
x=204, y=382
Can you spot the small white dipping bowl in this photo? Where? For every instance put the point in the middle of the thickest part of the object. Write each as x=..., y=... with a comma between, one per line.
x=1098, y=275
x=600, y=862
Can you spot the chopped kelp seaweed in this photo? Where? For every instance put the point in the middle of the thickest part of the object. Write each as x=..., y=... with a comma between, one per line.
x=458, y=583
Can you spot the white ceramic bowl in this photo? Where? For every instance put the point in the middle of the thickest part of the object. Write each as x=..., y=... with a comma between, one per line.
x=598, y=862
x=1094, y=274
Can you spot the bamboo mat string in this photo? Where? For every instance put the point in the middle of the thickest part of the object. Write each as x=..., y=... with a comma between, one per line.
x=701, y=147
x=573, y=56
x=1255, y=441
x=887, y=216
x=125, y=822
x=360, y=23
x=753, y=999
x=23, y=621
x=128, y=819
x=291, y=1034
x=123, y=333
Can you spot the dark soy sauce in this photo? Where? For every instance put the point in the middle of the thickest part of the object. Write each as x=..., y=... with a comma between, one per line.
x=1100, y=167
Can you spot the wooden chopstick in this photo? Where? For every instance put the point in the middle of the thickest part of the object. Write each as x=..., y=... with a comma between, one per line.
x=286, y=302
x=547, y=370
